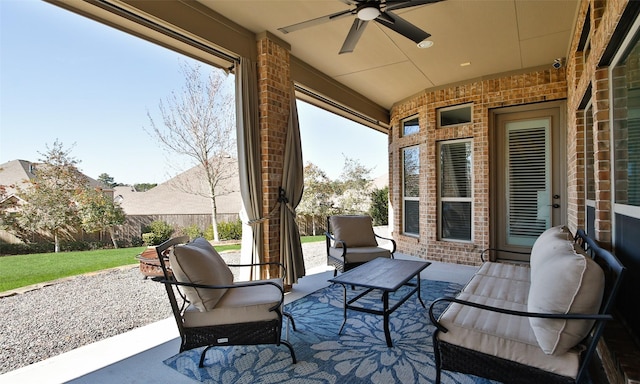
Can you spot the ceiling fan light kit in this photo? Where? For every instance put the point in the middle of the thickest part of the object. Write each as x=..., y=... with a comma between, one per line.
x=368, y=13
x=372, y=10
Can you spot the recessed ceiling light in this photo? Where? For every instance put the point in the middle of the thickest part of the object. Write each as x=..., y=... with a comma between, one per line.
x=465, y=64
x=425, y=44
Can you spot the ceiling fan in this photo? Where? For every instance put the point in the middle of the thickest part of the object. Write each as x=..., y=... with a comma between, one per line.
x=365, y=11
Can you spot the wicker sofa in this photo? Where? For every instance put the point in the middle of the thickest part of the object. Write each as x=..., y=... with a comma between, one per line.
x=530, y=323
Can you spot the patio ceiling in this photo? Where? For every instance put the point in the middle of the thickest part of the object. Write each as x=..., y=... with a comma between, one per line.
x=494, y=36
x=472, y=39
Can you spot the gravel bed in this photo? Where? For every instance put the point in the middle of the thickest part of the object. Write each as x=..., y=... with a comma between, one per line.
x=48, y=321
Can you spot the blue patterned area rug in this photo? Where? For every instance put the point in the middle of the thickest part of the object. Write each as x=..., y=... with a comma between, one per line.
x=359, y=355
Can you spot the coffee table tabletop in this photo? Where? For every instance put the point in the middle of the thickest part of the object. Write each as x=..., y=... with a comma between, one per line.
x=381, y=274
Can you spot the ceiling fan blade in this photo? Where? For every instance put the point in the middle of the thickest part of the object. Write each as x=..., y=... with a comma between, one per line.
x=399, y=4
x=354, y=35
x=316, y=21
x=403, y=27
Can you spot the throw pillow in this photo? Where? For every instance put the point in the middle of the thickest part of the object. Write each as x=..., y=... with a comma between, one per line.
x=355, y=231
x=199, y=263
x=570, y=282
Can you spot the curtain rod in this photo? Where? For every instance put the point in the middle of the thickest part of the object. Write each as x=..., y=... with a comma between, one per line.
x=166, y=31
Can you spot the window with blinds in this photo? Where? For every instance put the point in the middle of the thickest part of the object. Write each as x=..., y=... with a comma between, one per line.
x=455, y=190
x=411, y=190
x=528, y=181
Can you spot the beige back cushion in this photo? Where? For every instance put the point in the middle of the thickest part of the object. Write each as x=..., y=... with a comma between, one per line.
x=198, y=262
x=551, y=242
x=569, y=282
x=355, y=231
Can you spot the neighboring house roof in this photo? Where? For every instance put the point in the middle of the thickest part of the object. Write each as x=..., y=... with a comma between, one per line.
x=16, y=172
x=183, y=194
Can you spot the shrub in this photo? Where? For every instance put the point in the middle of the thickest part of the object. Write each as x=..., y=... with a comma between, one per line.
x=231, y=230
x=192, y=231
x=379, y=210
x=157, y=232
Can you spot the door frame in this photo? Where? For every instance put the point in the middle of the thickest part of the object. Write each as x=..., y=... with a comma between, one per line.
x=558, y=163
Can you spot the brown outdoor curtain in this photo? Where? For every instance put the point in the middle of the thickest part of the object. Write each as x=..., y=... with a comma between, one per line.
x=290, y=196
x=249, y=168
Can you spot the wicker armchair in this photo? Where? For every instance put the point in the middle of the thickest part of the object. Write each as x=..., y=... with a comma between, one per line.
x=211, y=309
x=350, y=241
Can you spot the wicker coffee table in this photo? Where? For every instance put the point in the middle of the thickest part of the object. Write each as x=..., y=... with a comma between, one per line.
x=386, y=275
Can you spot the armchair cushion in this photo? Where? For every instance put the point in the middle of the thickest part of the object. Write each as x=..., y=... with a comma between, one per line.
x=239, y=305
x=198, y=262
x=355, y=231
x=360, y=254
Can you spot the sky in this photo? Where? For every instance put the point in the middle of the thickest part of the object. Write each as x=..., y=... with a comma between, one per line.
x=67, y=78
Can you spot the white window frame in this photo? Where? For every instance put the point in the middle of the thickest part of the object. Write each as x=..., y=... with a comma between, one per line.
x=406, y=198
x=453, y=108
x=618, y=208
x=414, y=117
x=442, y=199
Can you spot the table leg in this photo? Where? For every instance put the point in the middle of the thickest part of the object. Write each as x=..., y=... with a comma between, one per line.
x=387, y=334
x=344, y=314
x=419, y=296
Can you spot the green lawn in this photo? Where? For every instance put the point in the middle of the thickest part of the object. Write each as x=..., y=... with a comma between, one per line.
x=22, y=270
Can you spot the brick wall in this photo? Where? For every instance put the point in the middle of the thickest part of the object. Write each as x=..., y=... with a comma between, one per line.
x=274, y=87
x=509, y=90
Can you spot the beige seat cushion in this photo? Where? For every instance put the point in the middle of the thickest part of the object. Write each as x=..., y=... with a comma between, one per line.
x=570, y=282
x=360, y=254
x=239, y=305
x=355, y=231
x=504, y=336
x=198, y=262
x=499, y=288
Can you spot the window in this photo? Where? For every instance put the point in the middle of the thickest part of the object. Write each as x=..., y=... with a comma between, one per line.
x=454, y=190
x=410, y=126
x=411, y=190
x=458, y=114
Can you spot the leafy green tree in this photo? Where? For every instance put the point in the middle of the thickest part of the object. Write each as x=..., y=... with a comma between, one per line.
x=50, y=198
x=107, y=180
x=99, y=212
x=143, y=187
x=379, y=210
x=317, y=198
x=354, y=187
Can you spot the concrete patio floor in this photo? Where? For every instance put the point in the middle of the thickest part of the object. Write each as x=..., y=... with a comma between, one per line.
x=137, y=356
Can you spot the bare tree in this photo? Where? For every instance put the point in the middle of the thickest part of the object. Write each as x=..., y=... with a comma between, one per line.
x=199, y=122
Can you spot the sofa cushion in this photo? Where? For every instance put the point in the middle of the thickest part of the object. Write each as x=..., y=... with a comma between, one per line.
x=355, y=231
x=198, y=262
x=500, y=335
x=569, y=282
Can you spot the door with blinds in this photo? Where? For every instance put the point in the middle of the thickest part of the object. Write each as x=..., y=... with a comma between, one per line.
x=530, y=176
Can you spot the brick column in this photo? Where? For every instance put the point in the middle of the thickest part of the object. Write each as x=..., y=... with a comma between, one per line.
x=602, y=155
x=274, y=87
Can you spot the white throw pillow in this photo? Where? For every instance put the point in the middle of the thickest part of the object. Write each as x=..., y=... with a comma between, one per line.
x=569, y=282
